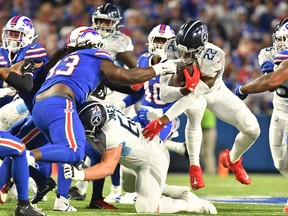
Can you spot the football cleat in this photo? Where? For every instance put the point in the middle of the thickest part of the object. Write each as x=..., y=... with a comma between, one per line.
x=4, y=191
x=115, y=195
x=101, y=204
x=285, y=209
x=74, y=194
x=129, y=198
x=196, y=177
x=28, y=210
x=62, y=204
x=42, y=191
x=237, y=168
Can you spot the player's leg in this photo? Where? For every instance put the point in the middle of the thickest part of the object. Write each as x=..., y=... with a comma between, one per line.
x=12, y=146
x=115, y=192
x=193, y=140
x=128, y=180
x=229, y=108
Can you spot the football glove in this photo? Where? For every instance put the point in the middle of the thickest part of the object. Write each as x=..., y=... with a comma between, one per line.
x=192, y=81
x=238, y=92
x=137, y=87
x=71, y=172
x=27, y=67
x=167, y=66
x=142, y=115
x=267, y=67
x=153, y=128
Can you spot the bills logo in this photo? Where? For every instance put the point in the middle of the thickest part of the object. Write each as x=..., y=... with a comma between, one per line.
x=28, y=23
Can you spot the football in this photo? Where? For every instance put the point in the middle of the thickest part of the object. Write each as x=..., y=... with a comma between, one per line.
x=179, y=77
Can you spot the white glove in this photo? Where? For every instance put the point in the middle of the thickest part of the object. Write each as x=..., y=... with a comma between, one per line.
x=266, y=54
x=71, y=172
x=169, y=66
x=154, y=114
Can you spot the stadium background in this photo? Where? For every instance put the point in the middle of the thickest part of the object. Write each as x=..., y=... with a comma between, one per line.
x=240, y=28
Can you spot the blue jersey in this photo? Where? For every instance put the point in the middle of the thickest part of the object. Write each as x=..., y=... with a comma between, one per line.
x=151, y=95
x=36, y=53
x=80, y=71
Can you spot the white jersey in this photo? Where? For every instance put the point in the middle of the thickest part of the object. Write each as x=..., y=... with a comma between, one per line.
x=211, y=60
x=114, y=44
x=120, y=129
x=118, y=43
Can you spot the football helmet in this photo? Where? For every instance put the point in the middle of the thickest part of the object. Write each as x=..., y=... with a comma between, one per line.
x=280, y=37
x=106, y=19
x=93, y=116
x=84, y=35
x=191, y=40
x=158, y=38
x=18, y=33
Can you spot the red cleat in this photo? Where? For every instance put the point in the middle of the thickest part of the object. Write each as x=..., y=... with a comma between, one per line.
x=101, y=204
x=285, y=209
x=4, y=191
x=196, y=177
x=237, y=168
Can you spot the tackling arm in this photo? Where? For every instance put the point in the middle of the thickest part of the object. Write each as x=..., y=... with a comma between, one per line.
x=268, y=81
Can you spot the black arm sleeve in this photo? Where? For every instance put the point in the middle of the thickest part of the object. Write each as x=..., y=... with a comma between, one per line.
x=120, y=88
x=21, y=83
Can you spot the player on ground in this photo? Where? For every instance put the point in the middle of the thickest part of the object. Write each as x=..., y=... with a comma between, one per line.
x=274, y=65
x=149, y=160
x=193, y=48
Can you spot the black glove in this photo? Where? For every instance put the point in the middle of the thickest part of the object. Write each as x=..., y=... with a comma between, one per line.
x=27, y=67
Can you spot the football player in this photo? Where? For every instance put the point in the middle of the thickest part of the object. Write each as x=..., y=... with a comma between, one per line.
x=274, y=65
x=193, y=48
x=119, y=139
x=11, y=146
x=66, y=85
x=106, y=20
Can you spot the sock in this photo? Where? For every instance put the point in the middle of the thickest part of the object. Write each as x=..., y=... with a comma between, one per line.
x=63, y=184
x=193, y=142
x=5, y=170
x=98, y=186
x=177, y=147
x=20, y=175
x=169, y=205
x=23, y=202
x=115, y=177
x=82, y=187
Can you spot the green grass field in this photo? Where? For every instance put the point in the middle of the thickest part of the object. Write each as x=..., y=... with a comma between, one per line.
x=262, y=185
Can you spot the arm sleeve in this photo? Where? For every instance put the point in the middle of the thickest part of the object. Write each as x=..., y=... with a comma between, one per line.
x=21, y=83
x=169, y=93
x=179, y=107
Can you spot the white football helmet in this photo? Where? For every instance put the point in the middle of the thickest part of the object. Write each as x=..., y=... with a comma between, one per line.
x=161, y=31
x=18, y=33
x=106, y=19
x=84, y=35
x=280, y=37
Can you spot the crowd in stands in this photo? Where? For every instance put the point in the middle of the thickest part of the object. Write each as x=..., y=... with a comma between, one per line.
x=240, y=28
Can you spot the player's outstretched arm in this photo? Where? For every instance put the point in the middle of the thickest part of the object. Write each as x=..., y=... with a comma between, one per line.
x=267, y=81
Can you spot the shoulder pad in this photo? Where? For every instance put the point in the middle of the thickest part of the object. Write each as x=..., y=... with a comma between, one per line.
x=118, y=43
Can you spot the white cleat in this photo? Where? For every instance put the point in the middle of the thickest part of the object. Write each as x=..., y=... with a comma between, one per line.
x=115, y=195
x=62, y=204
x=129, y=198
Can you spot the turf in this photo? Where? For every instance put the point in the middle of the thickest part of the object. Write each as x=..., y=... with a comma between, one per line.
x=273, y=185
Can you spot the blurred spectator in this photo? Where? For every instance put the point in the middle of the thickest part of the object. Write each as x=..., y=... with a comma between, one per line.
x=208, y=145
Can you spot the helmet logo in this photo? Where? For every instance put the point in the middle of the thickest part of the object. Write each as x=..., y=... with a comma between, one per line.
x=96, y=117
x=204, y=37
x=88, y=30
x=286, y=25
x=28, y=23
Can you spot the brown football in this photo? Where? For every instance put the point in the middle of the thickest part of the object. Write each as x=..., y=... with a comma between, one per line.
x=179, y=77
